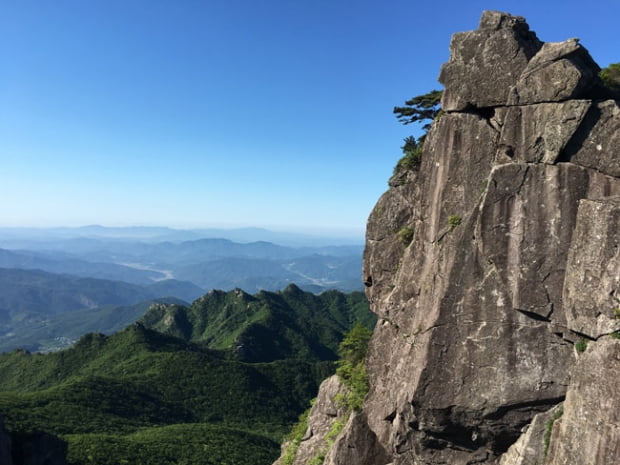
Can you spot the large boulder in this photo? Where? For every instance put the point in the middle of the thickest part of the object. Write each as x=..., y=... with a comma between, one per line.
x=540, y=133
x=558, y=72
x=597, y=141
x=485, y=64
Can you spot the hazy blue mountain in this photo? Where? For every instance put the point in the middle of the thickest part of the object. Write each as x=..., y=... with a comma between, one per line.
x=208, y=263
x=63, y=263
x=38, y=332
x=161, y=234
x=36, y=307
x=41, y=292
x=312, y=273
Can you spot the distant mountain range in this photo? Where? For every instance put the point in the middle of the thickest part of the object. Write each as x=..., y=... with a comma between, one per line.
x=53, y=278
x=211, y=263
x=162, y=234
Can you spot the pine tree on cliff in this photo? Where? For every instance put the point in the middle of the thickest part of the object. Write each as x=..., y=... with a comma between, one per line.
x=420, y=109
x=611, y=78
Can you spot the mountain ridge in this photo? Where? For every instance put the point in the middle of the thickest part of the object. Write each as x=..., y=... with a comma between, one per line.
x=141, y=395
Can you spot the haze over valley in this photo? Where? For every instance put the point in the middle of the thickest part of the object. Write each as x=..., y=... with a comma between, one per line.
x=104, y=278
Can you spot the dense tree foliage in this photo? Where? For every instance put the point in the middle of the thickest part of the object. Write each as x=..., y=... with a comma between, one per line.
x=611, y=78
x=422, y=108
x=141, y=396
x=352, y=365
x=266, y=326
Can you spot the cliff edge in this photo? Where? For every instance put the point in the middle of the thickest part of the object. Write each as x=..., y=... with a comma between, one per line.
x=498, y=323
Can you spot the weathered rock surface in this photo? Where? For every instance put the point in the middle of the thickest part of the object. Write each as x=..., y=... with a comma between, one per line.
x=595, y=144
x=539, y=133
x=530, y=448
x=588, y=433
x=491, y=58
x=324, y=413
x=357, y=440
x=592, y=284
x=558, y=72
x=514, y=258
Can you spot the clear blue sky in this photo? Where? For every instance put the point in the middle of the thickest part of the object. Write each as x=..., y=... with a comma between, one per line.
x=188, y=113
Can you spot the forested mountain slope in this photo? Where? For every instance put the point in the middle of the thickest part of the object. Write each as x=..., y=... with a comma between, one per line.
x=140, y=396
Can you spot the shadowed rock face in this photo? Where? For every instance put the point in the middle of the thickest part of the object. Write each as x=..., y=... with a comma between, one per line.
x=5, y=445
x=31, y=449
x=514, y=252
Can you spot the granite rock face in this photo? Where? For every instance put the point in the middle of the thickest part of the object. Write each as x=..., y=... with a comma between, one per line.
x=492, y=57
x=514, y=259
x=558, y=72
x=324, y=413
x=589, y=429
x=592, y=284
x=531, y=447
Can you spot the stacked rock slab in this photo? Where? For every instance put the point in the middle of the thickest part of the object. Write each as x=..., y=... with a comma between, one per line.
x=479, y=314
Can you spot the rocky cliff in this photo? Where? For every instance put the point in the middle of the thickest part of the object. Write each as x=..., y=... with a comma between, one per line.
x=497, y=332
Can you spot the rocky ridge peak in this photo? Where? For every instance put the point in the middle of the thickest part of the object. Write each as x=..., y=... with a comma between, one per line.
x=505, y=305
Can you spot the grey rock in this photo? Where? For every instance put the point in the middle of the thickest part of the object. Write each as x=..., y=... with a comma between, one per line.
x=530, y=447
x=358, y=444
x=539, y=133
x=525, y=229
x=558, y=72
x=592, y=284
x=324, y=413
x=596, y=144
x=485, y=64
x=588, y=432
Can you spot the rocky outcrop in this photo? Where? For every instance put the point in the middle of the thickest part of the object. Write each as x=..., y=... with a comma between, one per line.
x=324, y=413
x=592, y=283
x=514, y=262
x=532, y=446
x=589, y=429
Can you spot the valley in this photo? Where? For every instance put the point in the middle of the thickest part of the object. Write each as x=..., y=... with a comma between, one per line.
x=56, y=285
x=227, y=374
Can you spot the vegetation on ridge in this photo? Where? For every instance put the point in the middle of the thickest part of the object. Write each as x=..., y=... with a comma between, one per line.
x=611, y=78
x=420, y=109
x=352, y=366
x=140, y=396
x=266, y=326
